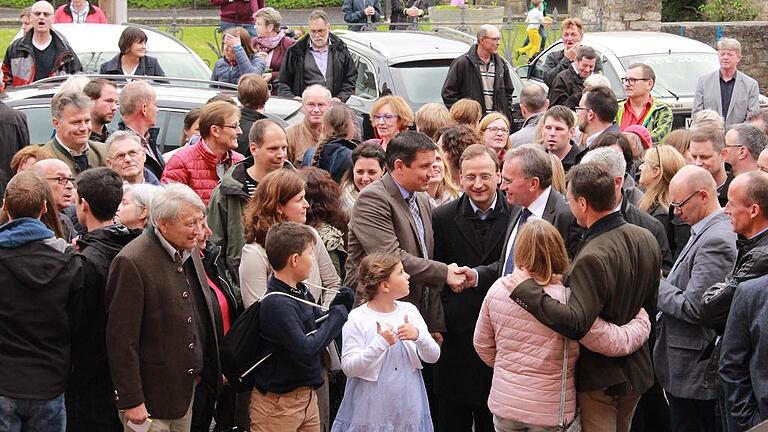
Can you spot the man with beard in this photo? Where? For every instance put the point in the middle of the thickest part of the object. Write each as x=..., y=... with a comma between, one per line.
x=103, y=94
x=597, y=111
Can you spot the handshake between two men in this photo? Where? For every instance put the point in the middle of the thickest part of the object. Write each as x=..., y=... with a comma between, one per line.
x=460, y=278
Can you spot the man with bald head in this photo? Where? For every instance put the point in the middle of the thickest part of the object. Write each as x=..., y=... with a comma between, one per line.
x=62, y=183
x=40, y=53
x=705, y=260
x=762, y=161
x=481, y=74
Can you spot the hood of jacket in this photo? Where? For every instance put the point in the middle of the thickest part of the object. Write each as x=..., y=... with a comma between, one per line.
x=20, y=257
x=109, y=240
x=332, y=147
x=21, y=231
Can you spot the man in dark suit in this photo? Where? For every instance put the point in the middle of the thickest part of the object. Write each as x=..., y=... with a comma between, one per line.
x=470, y=232
x=597, y=111
x=681, y=337
x=393, y=214
x=527, y=179
x=161, y=340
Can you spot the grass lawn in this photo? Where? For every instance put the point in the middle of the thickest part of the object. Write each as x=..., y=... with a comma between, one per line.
x=198, y=39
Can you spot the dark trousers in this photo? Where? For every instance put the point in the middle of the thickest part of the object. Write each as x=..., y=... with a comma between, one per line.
x=459, y=417
x=691, y=415
x=652, y=412
x=90, y=407
x=230, y=410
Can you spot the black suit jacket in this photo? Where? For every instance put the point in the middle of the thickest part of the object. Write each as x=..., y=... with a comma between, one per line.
x=461, y=375
x=557, y=213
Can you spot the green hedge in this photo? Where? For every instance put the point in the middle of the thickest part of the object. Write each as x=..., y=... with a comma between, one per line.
x=168, y=4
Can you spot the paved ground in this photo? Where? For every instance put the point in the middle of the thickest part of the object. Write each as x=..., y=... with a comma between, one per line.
x=9, y=17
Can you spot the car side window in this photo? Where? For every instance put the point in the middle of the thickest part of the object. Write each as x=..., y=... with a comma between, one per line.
x=174, y=129
x=365, y=86
x=537, y=71
x=38, y=123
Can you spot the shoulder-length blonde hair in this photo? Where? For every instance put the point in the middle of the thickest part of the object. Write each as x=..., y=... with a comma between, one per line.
x=540, y=250
x=431, y=118
x=260, y=213
x=668, y=161
x=447, y=184
x=399, y=106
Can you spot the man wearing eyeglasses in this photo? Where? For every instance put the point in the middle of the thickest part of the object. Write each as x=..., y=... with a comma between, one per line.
x=126, y=157
x=482, y=75
x=40, y=53
x=704, y=261
x=62, y=184
x=640, y=107
x=321, y=58
x=315, y=100
x=743, y=144
x=470, y=232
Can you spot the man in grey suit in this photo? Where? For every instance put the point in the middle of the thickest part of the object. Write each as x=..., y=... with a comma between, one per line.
x=527, y=180
x=733, y=94
x=393, y=214
x=704, y=261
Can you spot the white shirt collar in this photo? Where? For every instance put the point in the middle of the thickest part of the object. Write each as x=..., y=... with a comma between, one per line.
x=537, y=206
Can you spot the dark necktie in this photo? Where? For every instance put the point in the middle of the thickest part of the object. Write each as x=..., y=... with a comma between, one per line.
x=509, y=266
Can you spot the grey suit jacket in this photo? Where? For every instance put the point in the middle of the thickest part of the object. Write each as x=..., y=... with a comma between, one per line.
x=680, y=336
x=744, y=101
x=382, y=222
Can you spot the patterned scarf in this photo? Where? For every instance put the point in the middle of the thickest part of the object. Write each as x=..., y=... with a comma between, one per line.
x=267, y=44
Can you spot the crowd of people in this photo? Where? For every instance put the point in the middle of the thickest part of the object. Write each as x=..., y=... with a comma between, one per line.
x=590, y=267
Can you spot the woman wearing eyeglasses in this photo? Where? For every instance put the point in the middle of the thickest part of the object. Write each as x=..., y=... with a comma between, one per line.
x=660, y=164
x=495, y=129
x=390, y=115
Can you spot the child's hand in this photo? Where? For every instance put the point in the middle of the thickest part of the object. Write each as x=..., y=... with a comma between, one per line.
x=407, y=331
x=387, y=334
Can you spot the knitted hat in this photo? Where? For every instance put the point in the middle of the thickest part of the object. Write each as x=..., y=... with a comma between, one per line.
x=645, y=136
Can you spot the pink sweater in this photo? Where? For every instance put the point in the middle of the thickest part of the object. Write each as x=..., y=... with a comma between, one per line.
x=527, y=357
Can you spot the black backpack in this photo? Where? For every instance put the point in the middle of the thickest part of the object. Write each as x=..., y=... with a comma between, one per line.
x=242, y=349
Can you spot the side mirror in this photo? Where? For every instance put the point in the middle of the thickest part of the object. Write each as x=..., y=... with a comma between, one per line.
x=522, y=71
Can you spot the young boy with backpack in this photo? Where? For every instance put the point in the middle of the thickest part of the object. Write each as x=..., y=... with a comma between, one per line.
x=295, y=333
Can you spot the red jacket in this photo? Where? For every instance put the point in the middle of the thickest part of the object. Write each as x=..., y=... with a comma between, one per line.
x=238, y=11
x=95, y=15
x=195, y=166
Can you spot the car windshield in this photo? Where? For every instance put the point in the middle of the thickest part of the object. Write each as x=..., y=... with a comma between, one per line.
x=176, y=65
x=677, y=72
x=420, y=82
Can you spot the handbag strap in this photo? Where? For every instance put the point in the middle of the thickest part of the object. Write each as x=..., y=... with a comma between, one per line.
x=561, y=419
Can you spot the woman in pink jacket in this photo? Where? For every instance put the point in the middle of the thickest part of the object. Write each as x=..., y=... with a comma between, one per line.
x=526, y=356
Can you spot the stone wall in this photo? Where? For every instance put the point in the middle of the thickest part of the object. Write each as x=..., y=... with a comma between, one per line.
x=618, y=15
x=752, y=35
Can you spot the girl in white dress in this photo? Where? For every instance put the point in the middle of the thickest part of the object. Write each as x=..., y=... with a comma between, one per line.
x=384, y=343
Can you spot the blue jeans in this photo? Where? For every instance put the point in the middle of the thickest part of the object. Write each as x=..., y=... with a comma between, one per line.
x=227, y=25
x=29, y=415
